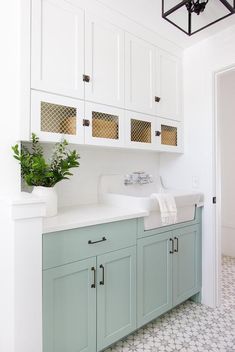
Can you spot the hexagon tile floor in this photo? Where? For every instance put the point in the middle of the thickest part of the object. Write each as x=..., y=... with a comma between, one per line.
x=190, y=327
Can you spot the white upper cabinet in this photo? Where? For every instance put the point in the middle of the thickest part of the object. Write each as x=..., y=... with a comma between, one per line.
x=104, y=62
x=54, y=117
x=57, y=47
x=104, y=125
x=153, y=80
x=140, y=131
x=169, y=135
x=95, y=83
x=168, y=85
x=140, y=75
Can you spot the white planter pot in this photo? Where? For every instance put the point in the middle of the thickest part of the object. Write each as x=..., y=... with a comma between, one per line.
x=49, y=195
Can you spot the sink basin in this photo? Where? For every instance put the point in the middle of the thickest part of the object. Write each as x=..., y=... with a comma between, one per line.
x=114, y=192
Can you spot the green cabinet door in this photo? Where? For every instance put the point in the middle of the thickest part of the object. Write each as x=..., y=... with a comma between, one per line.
x=186, y=263
x=154, y=272
x=116, y=296
x=69, y=308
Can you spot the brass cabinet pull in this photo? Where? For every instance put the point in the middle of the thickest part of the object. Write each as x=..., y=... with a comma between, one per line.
x=102, y=240
x=172, y=246
x=94, y=282
x=102, y=281
x=177, y=244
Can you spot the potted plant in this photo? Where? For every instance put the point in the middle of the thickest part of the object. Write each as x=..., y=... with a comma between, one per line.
x=44, y=175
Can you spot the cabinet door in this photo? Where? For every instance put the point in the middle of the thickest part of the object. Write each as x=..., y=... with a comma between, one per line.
x=54, y=117
x=140, y=130
x=105, y=125
x=169, y=135
x=116, y=300
x=69, y=308
x=104, y=62
x=154, y=277
x=58, y=47
x=169, y=85
x=140, y=75
x=186, y=263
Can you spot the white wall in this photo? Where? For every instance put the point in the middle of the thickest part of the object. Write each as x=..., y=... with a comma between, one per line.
x=82, y=188
x=200, y=63
x=9, y=171
x=9, y=93
x=226, y=114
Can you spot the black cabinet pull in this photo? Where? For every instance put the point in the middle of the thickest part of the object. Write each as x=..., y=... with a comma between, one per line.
x=157, y=133
x=172, y=246
x=86, y=123
x=94, y=282
x=86, y=78
x=102, y=281
x=177, y=244
x=93, y=242
x=157, y=99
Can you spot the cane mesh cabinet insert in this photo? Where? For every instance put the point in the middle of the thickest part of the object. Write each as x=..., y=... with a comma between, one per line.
x=169, y=135
x=140, y=131
x=104, y=125
x=58, y=118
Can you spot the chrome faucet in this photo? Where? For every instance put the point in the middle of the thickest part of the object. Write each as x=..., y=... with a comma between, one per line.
x=138, y=177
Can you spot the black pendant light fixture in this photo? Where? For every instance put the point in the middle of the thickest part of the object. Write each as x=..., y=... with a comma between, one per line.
x=191, y=16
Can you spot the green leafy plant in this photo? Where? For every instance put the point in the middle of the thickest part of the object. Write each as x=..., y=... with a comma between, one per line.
x=36, y=171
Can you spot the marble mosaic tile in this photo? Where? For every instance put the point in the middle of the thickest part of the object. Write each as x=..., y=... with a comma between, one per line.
x=190, y=327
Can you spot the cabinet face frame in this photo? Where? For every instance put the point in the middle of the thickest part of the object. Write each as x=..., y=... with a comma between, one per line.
x=175, y=124
x=103, y=109
x=37, y=98
x=130, y=115
x=100, y=89
x=41, y=50
x=165, y=108
x=144, y=83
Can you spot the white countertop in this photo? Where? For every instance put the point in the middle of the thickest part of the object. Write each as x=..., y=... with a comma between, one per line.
x=87, y=215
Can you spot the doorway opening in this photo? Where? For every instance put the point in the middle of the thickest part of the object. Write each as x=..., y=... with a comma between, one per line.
x=224, y=144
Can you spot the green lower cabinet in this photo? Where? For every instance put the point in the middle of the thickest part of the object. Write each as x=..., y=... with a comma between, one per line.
x=69, y=308
x=91, y=303
x=186, y=263
x=154, y=272
x=116, y=296
x=168, y=271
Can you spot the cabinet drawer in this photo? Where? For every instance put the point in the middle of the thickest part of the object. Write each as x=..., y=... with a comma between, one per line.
x=71, y=245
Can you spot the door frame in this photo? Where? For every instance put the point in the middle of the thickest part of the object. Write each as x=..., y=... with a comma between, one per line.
x=217, y=181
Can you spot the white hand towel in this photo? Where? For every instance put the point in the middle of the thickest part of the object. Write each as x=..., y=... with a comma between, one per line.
x=167, y=207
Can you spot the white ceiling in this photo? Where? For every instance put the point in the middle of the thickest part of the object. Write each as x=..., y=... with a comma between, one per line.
x=148, y=13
